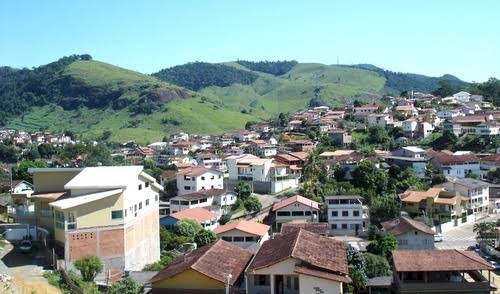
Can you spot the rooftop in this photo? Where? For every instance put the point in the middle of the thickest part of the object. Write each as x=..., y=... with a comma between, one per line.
x=294, y=199
x=199, y=214
x=403, y=224
x=438, y=261
x=317, y=228
x=195, y=171
x=207, y=261
x=250, y=227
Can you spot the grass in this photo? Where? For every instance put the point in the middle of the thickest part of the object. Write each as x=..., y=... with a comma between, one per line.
x=213, y=111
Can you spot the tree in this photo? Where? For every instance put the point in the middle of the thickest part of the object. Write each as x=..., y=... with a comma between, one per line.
x=46, y=150
x=446, y=88
x=372, y=179
x=20, y=172
x=89, y=267
x=204, y=237
x=99, y=155
x=358, y=278
x=32, y=153
x=126, y=286
x=484, y=230
x=446, y=141
x=383, y=246
x=383, y=208
x=376, y=266
x=252, y=204
x=187, y=228
x=355, y=258
x=225, y=218
x=7, y=153
x=243, y=190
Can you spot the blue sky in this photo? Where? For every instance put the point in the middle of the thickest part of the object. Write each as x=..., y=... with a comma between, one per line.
x=420, y=36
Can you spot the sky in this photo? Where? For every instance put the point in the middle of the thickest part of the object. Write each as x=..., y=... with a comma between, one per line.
x=420, y=36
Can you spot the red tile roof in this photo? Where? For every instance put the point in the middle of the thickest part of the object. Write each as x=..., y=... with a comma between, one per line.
x=201, y=194
x=250, y=227
x=403, y=224
x=317, y=228
x=438, y=260
x=196, y=171
x=207, y=261
x=492, y=158
x=294, y=199
x=199, y=214
x=322, y=253
x=48, y=195
x=445, y=158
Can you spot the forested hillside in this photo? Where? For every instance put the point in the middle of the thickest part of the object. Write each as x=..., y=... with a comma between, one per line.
x=276, y=68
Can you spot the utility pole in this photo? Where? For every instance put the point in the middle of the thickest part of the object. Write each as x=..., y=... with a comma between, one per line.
x=226, y=284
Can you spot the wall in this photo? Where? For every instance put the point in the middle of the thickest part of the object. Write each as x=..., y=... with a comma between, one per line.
x=416, y=241
x=52, y=181
x=278, y=186
x=312, y=285
x=97, y=213
x=189, y=279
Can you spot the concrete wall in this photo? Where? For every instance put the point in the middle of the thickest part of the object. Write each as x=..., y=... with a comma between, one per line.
x=52, y=181
x=415, y=240
x=310, y=284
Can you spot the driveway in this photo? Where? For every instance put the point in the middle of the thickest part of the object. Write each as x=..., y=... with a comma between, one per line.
x=26, y=271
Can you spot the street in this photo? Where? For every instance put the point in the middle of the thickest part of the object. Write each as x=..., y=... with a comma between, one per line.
x=461, y=237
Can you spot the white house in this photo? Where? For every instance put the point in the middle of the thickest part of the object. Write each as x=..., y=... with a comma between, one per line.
x=380, y=120
x=425, y=129
x=452, y=165
x=489, y=128
x=347, y=215
x=462, y=97
x=409, y=127
x=210, y=160
x=245, y=234
x=194, y=179
x=475, y=190
x=411, y=234
x=298, y=262
x=203, y=198
x=448, y=114
x=206, y=218
x=409, y=156
x=295, y=208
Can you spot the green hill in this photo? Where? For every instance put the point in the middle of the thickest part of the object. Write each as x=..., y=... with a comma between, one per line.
x=90, y=97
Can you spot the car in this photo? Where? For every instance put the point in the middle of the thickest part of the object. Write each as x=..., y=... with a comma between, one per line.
x=25, y=246
x=438, y=237
x=495, y=264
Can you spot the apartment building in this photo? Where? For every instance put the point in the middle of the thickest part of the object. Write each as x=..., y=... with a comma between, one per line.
x=476, y=191
x=347, y=215
x=108, y=212
x=196, y=178
x=455, y=165
x=409, y=157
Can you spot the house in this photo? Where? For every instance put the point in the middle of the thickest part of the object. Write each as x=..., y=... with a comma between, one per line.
x=462, y=97
x=347, y=215
x=365, y=110
x=383, y=120
x=294, y=125
x=317, y=228
x=203, y=198
x=406, y=110
x=196, y=178
x=410, y=127
x=347, y=159
x=179, y=148
x=448, y=114
x=179, y=137
x=411, y=234
x=454, y=165
x=297, y=159
x=490, y=162
x=476, y=191
x=298, y=262
x=409, y=157
x=206, y=218
x=263, y=148
x=300, y=145
x=211, y=161
x=437, y=207
x=245, y=234
x=201, y=271
x=441, y=271
x=340, y=137
x=424, y=129
x=489, y=128
x=158, y=146
x=267, y=176
x=108, y=212
x=15, y=187
x=293, y=209
x=245, y=135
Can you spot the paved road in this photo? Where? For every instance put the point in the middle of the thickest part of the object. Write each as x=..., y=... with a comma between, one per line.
x=461, y=237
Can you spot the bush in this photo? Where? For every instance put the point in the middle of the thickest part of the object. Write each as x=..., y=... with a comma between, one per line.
x=252, y=204
x=89, y=267
x=225, y=218
x=187, y=228
x=126, y=286
x=204, y=237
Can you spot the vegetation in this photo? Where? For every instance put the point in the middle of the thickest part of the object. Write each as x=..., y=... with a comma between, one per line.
x=89, y=267
x=187, y=228
x=252, y=204
x=199, y=75
x=357, y=268
x=376, y=266
x=276, y=68
x=383, y=246
x=126, y=286
x=204, y=237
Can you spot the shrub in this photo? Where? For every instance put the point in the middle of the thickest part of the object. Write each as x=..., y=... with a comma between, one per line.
x=204, y=237
x=89, y=267
x=126, y=286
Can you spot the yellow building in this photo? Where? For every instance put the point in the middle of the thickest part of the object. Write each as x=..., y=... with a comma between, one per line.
x=202, y=271
x=109, y=212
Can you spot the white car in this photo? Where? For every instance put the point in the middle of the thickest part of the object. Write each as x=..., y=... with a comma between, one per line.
x=438, y=237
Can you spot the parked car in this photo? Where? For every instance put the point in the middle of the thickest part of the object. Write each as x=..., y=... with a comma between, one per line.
x=495, y=264
x=438, y=237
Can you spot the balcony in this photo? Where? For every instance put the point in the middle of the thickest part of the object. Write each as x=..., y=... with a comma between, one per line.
x=20, y=211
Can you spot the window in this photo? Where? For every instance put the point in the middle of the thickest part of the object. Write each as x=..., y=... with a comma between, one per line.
x=194, y=202
x=335, y=213
x=283, y=213
x=203, y=200
x=307, y=212
x=352, y=226
x=296, y=283
x=403, y=242
x=333, y=201
x=71, y=221
x=125, y=212
x=59, y=220
x=116, y=214
x=334, y=226
x=228, y=239
x=202, y=178
x=355, y=213
x=345, y=213
x=135, y=207
x=187, y=187
x=175, y=202
x=344, y=226
x=261, y=280
x=297, y=213
x=140, y=205
x=156, y=197
x=249, y=239
x=147, y=184
x=140, y=186
x=147, y=202
x=184, y=202
x=238, y=239
x=288, y=282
